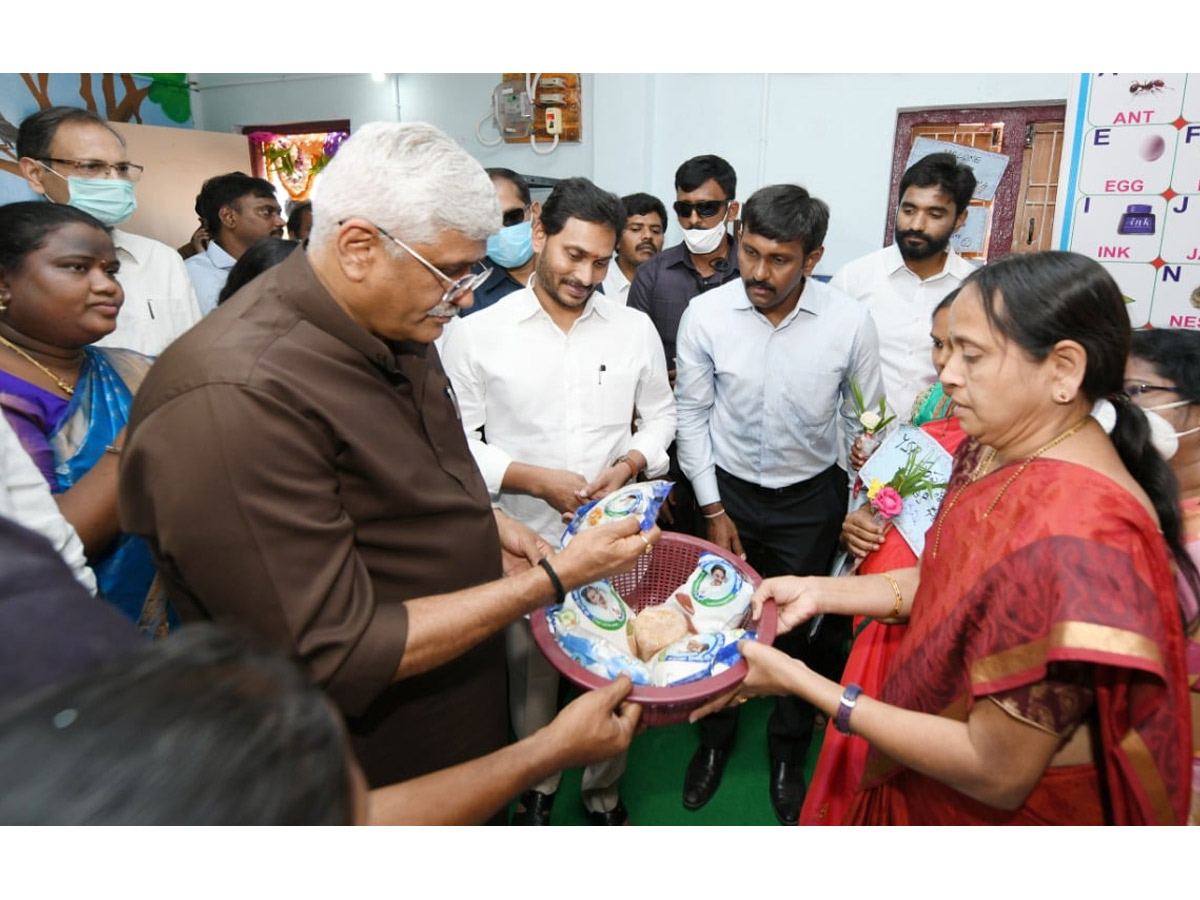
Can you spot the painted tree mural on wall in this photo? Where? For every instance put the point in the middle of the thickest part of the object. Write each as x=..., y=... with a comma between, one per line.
x=144, y=98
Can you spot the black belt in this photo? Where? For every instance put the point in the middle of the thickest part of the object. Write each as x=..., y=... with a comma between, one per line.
x=797, y=488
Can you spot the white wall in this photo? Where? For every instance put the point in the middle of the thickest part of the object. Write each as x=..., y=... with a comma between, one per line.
x=831, y=133
x=455, y=103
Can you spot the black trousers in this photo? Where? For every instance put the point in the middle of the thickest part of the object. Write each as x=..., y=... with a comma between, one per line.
x=684, y=511
x=788, y=531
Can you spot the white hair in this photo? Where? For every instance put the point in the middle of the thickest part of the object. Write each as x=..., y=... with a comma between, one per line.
x=410, y=179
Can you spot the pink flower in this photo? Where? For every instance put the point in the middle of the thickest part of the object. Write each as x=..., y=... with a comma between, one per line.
x=888, y=502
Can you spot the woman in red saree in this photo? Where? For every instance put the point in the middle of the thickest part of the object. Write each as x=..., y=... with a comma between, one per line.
x=842, y=760
x=1041, y=678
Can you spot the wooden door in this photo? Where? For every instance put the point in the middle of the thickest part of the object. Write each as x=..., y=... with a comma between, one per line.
x=1003, y=125
x=1032, y=230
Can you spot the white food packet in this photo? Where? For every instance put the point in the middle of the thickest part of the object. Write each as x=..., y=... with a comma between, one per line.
x=714, y=597
x=602, y=613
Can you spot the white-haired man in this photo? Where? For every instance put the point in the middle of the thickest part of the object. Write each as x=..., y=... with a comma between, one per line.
x=298, y=466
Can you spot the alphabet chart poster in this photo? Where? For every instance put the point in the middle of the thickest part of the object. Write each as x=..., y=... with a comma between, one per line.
x=1133, y=189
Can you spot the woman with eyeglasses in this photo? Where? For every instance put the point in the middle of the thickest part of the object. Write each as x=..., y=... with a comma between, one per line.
x=1163, y=378
x=69, y=402
x=1042, y=678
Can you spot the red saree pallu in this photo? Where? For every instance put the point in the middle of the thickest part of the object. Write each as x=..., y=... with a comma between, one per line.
x=843, y=758
x=1191, y=538
x=1057, y=565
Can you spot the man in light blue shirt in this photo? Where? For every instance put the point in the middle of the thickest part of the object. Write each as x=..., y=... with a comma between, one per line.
x=765, y=365
x=238, y=211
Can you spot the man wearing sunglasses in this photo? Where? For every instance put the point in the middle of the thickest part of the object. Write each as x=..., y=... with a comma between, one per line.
x=704, y=206
x=71, y=155
x=510, y=255
x=297, y=463
x=554, y=376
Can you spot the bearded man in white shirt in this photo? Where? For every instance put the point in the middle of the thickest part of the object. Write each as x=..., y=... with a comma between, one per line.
x=765, y=368
x=902, y=283
x=550, y=380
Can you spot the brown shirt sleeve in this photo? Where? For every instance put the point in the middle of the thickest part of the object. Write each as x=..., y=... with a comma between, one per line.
x=247, y=525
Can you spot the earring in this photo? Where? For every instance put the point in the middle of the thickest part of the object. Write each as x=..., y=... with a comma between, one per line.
x=1062, y=397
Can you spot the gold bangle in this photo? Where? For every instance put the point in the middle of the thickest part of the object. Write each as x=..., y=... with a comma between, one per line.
x=113, y=449
x=896, y=589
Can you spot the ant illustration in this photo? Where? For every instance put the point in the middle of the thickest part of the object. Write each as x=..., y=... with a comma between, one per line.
x=1156, y=86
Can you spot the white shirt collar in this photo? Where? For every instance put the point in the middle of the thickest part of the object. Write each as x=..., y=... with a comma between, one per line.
x=894, y=262
x=530, y=305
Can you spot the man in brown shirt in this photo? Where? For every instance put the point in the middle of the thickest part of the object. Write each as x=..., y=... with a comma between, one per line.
x=298, y=466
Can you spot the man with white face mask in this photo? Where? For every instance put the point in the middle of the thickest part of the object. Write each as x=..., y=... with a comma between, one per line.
x=72, y=156
x=510, y=253
x=704, y=190
x=664, y=285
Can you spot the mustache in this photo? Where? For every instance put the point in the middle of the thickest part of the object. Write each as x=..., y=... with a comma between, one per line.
x=915, y=234
x=765, y=285
x=444, y=311
x=650, y=245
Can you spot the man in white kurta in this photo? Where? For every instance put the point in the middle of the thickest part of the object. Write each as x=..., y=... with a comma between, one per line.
x=564, y=397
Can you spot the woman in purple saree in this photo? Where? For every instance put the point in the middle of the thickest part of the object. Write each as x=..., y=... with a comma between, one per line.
x=68, y=401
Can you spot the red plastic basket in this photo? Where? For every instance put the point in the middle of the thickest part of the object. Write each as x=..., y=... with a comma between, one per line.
x=655, y=576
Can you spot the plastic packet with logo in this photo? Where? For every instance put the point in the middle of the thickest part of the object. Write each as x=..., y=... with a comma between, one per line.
x=714, y=597
x=642, y=499
x=697, y=656
x=600, y=611
x=596, y=654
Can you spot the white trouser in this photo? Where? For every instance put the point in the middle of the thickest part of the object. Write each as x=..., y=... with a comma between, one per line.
x=533, y=703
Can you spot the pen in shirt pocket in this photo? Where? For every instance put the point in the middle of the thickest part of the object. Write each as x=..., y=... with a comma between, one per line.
x=600, y=374
x=150, y=306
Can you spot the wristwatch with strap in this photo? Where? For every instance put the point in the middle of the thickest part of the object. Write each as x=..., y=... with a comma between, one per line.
x=845, y=707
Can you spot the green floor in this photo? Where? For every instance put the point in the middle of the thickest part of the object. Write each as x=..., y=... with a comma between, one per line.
x=652, y=788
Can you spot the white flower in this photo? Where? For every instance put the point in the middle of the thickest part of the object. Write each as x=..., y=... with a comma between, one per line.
x=870, y=420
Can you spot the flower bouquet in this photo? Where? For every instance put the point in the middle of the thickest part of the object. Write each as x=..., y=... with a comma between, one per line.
x=914, y=477
x=872, y=420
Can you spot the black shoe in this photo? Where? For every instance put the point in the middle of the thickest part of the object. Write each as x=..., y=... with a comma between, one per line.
x=533, y=809
x=618, y=815
x=704, y=775
x=787, y=790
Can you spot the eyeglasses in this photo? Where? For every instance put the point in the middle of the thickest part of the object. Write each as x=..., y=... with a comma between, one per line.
x=705, y=209
x=458, y=286
x=94, y=168
x=514, y=216
x=1134, y=388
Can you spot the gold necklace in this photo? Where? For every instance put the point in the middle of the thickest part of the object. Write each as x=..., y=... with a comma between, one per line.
x=981, y=469
x=63, y=386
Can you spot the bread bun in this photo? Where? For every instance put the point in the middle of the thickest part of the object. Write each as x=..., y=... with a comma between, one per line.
x=656, y=627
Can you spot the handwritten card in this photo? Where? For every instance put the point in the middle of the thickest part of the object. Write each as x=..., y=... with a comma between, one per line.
x=988, y=167
x=920, y=509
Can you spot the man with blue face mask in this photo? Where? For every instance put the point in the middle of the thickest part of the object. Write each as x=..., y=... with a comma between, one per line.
x=510, y=253
x=71, y=155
